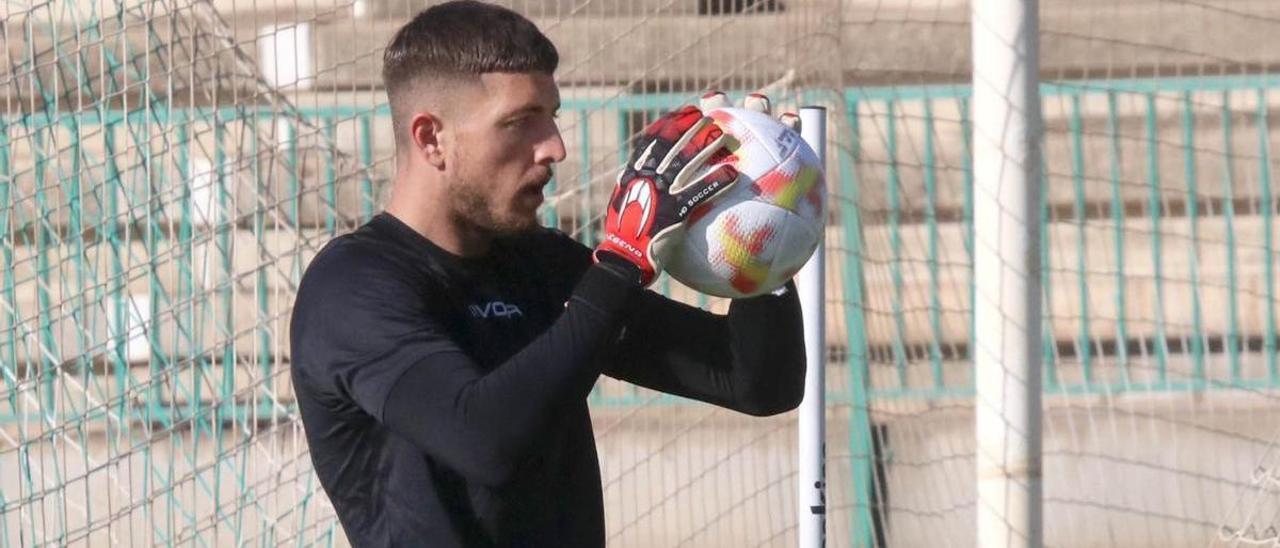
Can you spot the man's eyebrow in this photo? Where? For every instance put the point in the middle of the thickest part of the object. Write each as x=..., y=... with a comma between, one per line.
x=534, y=108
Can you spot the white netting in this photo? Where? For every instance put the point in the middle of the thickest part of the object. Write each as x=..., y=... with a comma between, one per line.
x=168, y=167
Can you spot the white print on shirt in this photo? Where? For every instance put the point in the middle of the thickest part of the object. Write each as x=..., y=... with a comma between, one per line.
x=495, y=309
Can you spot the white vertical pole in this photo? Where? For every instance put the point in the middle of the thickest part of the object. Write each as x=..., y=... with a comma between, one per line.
x=1006, y=160
x=812, y=500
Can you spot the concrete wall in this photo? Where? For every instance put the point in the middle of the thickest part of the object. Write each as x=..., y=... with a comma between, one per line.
x=849, y=42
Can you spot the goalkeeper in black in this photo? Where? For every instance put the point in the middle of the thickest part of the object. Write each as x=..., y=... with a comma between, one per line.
x=443, y=352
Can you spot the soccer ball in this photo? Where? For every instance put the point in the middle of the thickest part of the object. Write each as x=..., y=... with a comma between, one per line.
x=757, y=235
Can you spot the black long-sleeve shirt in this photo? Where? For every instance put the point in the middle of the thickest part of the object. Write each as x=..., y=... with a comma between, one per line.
x=444, y=399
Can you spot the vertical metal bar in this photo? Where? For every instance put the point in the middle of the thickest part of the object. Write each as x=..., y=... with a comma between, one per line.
x=1084, y=343
x=46, y=345
x=1154, y=206
x=75, y=230
x=186, y=274
x=150, y=243
x=249, y=125
x=966, y=132
x=1117, y=222
x=1048, y=343
x=184, y=313
x=9, y=344
x=861, y=523
x=224, y=221
x=330, y=176
x=151, y=239
x=85, y=278
x=113, y=186
x=264, y=260
x=49, y=249
x=367, y=198
x=1268, y=234
x=295, y=191
x=1228, y=217
x=203, y=414
x=893, y=182
x=931, y=220
x=1193, y=214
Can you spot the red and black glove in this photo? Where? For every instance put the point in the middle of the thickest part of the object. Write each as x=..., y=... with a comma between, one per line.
x=678, y=165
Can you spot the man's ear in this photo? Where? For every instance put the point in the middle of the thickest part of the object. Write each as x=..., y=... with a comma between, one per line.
x=425, y=131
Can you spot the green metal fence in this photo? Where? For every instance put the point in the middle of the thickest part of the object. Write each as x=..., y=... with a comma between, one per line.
x=848, y=174
x=1191, y=196
x=901, y=189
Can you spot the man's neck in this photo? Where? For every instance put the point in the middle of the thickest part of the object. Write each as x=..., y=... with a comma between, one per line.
x=429, y=216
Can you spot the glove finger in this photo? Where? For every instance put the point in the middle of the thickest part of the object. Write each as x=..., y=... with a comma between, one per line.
x=700, y=136
x=791, y=120
x=709, y=145
x=714, y=100
x=706, y=189
x=660, y=137
x=758, y=102
x=673, y=125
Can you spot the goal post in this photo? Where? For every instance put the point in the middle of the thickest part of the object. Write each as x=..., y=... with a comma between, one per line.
x=811, y=504
x=1006, y=265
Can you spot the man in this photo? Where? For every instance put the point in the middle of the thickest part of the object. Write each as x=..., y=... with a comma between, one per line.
x=443, y=352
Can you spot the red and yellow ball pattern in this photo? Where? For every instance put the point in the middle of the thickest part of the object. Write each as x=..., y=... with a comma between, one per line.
x=755, y=237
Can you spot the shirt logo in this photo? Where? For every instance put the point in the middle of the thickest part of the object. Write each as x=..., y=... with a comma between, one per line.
x=495, y=309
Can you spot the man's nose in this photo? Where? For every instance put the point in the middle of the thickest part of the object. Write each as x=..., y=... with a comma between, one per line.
x=550, y=150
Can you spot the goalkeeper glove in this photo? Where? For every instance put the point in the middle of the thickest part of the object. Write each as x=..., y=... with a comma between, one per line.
x=664, y=181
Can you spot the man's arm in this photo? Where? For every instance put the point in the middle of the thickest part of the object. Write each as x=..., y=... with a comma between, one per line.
x=484, y=425
x=364, y=337
x=751, y=360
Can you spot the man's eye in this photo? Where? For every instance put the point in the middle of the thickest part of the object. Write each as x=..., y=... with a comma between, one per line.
x=515, y=121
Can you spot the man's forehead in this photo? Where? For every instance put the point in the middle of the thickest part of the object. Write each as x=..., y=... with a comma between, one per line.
x=521, y=87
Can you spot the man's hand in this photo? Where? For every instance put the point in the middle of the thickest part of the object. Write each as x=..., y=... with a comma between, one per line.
x=758, y=102
x=663, y=182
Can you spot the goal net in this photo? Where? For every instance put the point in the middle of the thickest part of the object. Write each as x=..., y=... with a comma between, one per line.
x=169, y=167
x=1157, y=242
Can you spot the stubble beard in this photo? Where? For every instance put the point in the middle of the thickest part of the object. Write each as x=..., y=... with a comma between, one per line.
x=473, y=207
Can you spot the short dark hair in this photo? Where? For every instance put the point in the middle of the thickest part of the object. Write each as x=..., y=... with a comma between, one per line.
x=463, y=39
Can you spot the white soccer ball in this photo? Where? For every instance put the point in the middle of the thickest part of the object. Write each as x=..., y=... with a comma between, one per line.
x=756, y=236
